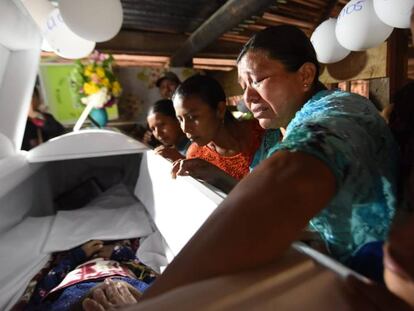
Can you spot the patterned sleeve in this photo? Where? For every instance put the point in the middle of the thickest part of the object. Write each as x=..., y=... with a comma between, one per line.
x=340, y=138
x=74, y=257
x=346, y=132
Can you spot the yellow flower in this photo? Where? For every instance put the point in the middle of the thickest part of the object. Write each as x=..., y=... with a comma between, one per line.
x=100, y=72
x=105, y=82
x=88, y=70
x=90, y=88
x=116, y=89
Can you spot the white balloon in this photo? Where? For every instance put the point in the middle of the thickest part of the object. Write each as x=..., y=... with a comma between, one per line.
x=95, y=20
x=63, y=41
x=358, y=27
x=395, y=13
x=327, y=48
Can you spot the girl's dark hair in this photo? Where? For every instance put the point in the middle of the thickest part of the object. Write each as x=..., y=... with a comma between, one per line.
x=163, y=106
x=206, y=88
x=286, y=44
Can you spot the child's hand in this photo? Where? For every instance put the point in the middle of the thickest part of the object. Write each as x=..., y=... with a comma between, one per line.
x=92, y=247
x=106, y=251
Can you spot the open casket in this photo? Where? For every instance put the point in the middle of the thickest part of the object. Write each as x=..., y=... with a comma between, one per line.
x=34, y=183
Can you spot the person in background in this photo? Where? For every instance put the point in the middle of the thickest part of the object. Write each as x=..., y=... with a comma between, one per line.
x=220, y=145
x=166, y=129
x=167, y=84
x=40, y=126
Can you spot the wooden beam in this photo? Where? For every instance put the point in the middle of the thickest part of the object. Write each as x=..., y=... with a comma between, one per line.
x=327, y=11
x=287, y=20
x=232, y=13
x=397, y=60
x=146, y=43
x=133, y=42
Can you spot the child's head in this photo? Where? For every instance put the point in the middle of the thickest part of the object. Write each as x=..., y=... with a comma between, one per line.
x=164, y=124
x=200, y=105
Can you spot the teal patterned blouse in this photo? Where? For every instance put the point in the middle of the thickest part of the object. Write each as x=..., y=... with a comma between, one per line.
x=347, y=133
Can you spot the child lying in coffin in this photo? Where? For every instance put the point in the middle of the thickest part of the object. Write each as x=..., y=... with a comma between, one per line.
x=89, y=271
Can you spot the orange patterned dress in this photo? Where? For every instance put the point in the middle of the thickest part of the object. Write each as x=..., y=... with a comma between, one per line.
x=238, y=164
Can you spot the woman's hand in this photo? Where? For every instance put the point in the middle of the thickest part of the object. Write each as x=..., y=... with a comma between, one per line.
x=92, y=247
x=203, y=170
x=110, y=296
x=169, y=153
x=196, y=168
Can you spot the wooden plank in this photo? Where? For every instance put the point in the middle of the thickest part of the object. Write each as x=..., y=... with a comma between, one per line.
x=146, y=43
x=368, y=64
x=287, y=20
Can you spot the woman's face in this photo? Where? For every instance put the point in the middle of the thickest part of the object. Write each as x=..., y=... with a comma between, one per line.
x=271, y=93
x=165, y=128
x=197, y=119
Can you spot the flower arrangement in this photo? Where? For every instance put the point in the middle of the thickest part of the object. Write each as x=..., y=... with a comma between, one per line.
x=96, y=76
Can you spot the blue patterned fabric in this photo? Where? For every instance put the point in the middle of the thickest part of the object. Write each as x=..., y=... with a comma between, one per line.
x=347, y=133
x=267, y=147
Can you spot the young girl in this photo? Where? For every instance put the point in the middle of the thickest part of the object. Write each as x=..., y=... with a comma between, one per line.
x=91, y=268
x=165, y=127
x=217, y=137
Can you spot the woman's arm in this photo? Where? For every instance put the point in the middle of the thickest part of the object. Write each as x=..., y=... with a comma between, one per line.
x=256, y=223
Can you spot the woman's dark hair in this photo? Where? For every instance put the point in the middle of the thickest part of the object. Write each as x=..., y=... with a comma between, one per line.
x=207, y=89
x=287, y=44
x=163, y=106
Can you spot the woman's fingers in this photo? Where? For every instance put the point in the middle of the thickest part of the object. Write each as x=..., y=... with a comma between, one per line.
x=124, y=292
x=159, y=149
x=100, y=297
x=91, y=305
x=117, y=293
x=197, y=168
x=177, y=168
